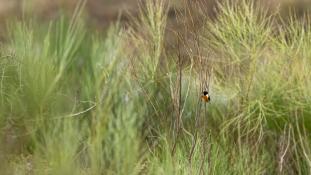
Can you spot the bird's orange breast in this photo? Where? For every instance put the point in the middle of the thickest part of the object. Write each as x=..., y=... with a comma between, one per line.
x=205, y=98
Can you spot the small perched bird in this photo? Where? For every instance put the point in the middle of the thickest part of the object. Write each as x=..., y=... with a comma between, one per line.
x=205, y=97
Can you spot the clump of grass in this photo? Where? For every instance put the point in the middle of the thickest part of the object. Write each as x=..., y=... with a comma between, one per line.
x=266, y=78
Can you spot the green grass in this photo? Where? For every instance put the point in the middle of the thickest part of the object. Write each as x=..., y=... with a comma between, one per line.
x=75, y=101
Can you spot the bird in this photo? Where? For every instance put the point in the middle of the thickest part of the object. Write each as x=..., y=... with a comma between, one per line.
x=205, y=97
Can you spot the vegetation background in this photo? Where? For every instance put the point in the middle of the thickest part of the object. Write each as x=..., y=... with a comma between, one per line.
x=114, y=87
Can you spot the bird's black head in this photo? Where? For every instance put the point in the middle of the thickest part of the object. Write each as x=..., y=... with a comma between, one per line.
x=205, y=93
